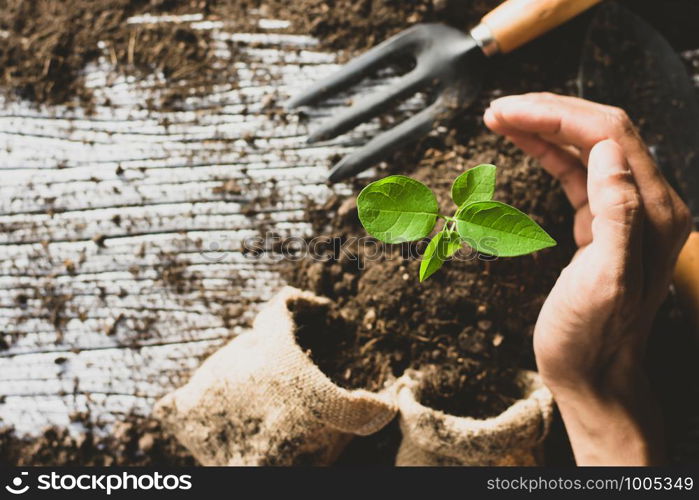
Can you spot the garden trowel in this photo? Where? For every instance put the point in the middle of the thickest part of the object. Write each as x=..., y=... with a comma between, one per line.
x=627, y=63
x=448, y=61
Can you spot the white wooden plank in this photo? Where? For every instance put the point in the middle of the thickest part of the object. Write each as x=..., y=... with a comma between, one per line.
x=65, y=175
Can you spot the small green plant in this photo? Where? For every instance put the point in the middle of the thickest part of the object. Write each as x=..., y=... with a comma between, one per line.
x=398, y=209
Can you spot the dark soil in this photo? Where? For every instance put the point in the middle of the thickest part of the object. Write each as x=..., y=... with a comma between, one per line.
x=469, y=325
x=673, y=369
x=473, y=319
x=379, y=449
x=136, y=441
x=49, y=43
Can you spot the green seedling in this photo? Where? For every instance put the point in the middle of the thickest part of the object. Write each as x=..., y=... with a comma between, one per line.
x=399, y=209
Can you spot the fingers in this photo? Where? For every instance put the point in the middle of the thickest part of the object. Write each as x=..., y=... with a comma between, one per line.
x=569, y=120
x=561, y=164
x=615, y=206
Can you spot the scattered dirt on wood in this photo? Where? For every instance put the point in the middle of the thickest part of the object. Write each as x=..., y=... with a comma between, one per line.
x=358, y=25
x=136, y=441
x=469, y=325
x=173, y=273
x=48, y=44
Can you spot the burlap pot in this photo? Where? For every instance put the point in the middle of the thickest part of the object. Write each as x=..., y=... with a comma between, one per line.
x=260, y=400
x=431, y=437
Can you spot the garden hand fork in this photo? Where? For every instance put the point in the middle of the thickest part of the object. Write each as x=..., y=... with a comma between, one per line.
x=446, y=58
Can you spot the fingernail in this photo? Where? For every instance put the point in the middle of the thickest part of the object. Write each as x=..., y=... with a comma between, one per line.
x=489, y=115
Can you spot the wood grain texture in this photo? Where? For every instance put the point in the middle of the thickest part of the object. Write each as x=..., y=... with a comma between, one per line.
x=120, y=248
x=99, y=213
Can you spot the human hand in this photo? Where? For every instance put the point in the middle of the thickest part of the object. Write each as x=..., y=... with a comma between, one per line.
x=630, y=225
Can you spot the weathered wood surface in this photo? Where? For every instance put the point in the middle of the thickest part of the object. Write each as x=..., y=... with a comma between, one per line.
x=108, y=327
x=99, y=213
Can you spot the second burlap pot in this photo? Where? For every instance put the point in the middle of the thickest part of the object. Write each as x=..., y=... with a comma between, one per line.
x=260, y=400
x=433, y=438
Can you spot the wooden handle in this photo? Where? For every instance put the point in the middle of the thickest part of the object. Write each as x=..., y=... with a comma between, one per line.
x=687, y=279
x=515, y=22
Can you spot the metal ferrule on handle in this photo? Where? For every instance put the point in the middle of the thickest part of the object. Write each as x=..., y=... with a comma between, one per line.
x=483, y=36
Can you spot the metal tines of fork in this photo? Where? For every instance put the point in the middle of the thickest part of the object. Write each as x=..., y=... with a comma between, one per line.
x=446, y=60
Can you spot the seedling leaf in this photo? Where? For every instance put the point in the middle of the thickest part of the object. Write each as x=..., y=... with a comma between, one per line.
x=498, y=229
x=476, y=184
x=441, y=247
x=397, y=209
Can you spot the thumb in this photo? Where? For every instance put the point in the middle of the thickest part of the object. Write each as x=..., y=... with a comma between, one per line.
x=615, y=204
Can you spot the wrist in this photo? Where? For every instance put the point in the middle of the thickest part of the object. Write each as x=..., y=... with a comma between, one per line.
x=612, y=423
x=620, y=379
